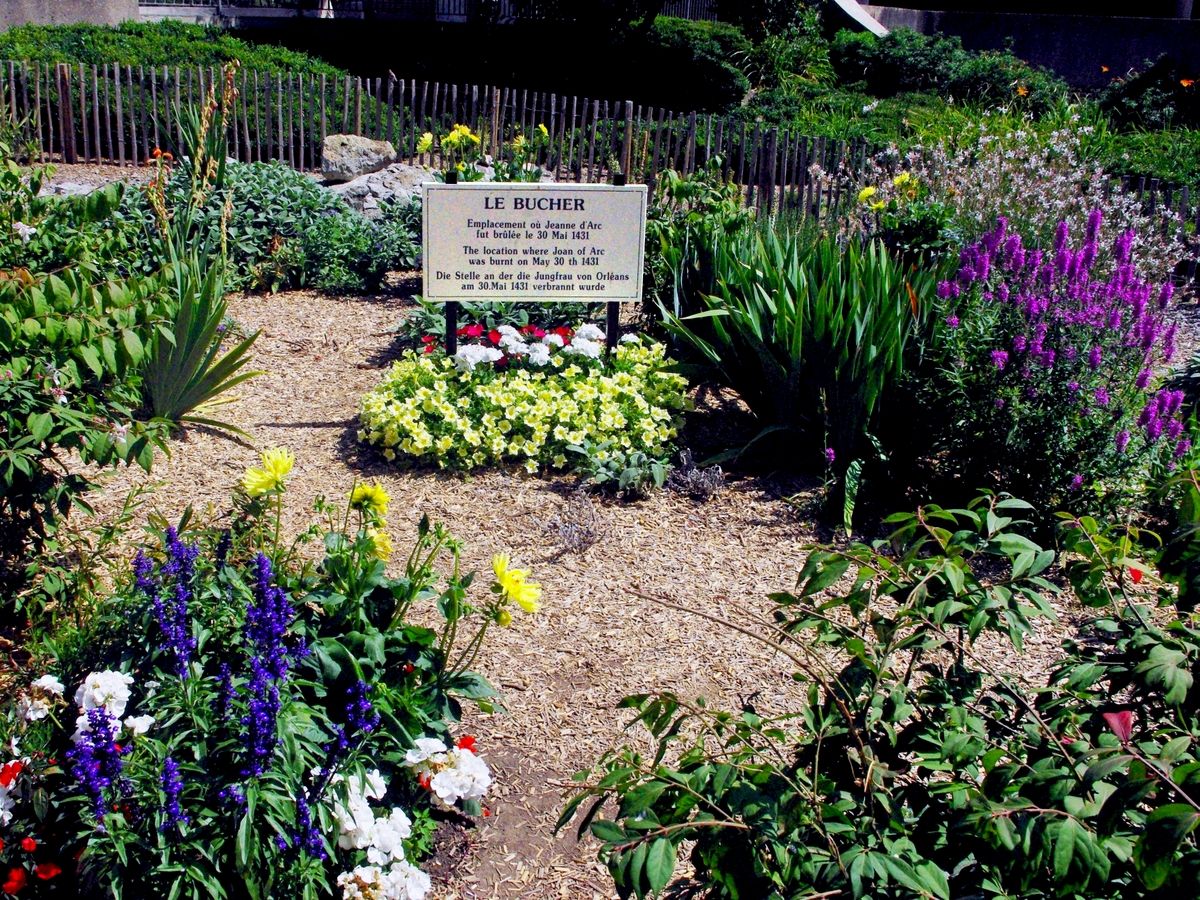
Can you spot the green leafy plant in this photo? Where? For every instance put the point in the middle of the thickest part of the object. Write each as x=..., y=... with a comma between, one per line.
x=912, y=768
x=812, y=336
x=185, y=369
x=633, y=474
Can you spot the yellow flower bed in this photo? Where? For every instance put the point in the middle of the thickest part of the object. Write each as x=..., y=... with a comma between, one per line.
x=426, y=409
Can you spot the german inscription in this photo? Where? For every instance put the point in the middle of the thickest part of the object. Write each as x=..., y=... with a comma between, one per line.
x=534, y=242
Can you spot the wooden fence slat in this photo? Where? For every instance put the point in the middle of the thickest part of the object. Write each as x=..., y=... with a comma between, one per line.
x=291, y=122
x=323, y=119
x=280, y=152
x=83, y=114
x=592, y=142
x=37, y=104
x=391, y=131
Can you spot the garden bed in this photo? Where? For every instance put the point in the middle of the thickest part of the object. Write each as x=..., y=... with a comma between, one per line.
x=561, y=672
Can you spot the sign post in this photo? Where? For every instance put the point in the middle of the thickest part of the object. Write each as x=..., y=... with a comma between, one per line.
x=533, y=243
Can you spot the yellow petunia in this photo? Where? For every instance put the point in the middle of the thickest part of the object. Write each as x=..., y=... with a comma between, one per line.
x=371, y=498
x=276, y=466
x=902, y=178
x=866, y=194
x=425, y=142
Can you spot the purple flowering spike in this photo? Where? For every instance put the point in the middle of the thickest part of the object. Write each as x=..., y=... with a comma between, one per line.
x=943, y=290
x=952, y=321
x=1122, y=441
x=1000, y=359
x=1076, y=482
x=1020, y=342
x=1060, y=237
x=1073, y=387
x=96, y=759
x=1123, y=247
x=1183, y=447
x=1095, y=357
x=172, y=785
x=1095, y=217
x=1143, y=379
x=1101, y=396
x=1165, y=294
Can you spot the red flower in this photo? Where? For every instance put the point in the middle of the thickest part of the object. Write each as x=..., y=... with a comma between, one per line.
x=28, y=844
x=429, y=348
x=494, y=336
x=1121, y=724
x=423, y=781
x=46, y=870
x=429, y=338
x=475, y=330
x=487, y=812
x=564, y=332
x=466, y=742
x=10, y=771
x=16, y=881
x=408, y=668
x=1135, y=575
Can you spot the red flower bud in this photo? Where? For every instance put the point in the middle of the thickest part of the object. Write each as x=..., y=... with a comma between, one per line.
x=408, y=668
x=1121, y=724
x=1135, y=575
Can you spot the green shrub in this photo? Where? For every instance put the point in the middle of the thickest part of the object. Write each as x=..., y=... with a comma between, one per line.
x=347, y=253
x=1163, y=96
x=165, y=43
x=706, y=51
x=911, y=768
x=907, y=61
x=70, y=354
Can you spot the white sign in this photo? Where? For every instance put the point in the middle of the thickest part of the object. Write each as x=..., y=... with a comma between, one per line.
x=534, y=242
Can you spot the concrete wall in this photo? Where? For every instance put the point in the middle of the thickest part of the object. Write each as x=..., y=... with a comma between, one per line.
x=66, y=12
x=1076, y=47
x=1171, y=9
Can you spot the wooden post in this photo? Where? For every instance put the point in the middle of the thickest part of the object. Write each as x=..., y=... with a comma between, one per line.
x=391, y=130
x=291, y=123
x=494, y=137
x=689, y=160
x=83, y=116
x=120, y=117
x=592, y=176
x=258, y=145
x=303, y=155
x=37, y=106
x=358, y=106
x=627, y=140
x=96, y=114
x=769, y=181
x=65, y=116
x=323, y=119
x=451, y=327
x=142, y=114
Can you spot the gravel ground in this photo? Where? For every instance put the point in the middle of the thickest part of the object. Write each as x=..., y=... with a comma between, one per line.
x=562, y=671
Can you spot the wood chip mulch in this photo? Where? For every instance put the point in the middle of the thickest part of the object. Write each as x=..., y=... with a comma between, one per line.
x=561, y=671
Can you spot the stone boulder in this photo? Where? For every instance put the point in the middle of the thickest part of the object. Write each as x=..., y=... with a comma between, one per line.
x=347, y=156
x=398, y=183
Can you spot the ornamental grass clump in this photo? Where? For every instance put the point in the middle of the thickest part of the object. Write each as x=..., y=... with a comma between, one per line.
x=1039, y=376
x=525, y=400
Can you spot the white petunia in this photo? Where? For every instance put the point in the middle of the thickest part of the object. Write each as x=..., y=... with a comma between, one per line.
x=426, y=748
x=468, y=357
x=406, y=882
x=6, y=806
x=539, y=354
x=589, y=332
x=584, y=347
x=139, y=725
x=50, y=683
x=104, y=690
x=631, y=337
x=32, y=709
x=387, y=838
x=553, y=340
x=467, y=778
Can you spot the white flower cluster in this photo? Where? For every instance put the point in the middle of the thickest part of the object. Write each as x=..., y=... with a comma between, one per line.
x=453, y=773
x=359, y=828
x=403, y=881
x=108, y=691
x=37, y=703
x=468, y=357
x=24, y=232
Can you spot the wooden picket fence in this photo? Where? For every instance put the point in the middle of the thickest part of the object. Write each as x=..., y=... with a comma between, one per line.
x=116, y=114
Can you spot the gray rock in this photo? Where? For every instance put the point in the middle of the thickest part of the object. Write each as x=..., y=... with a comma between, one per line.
x=347, y=156
x=68, y=189
x=398, y=183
